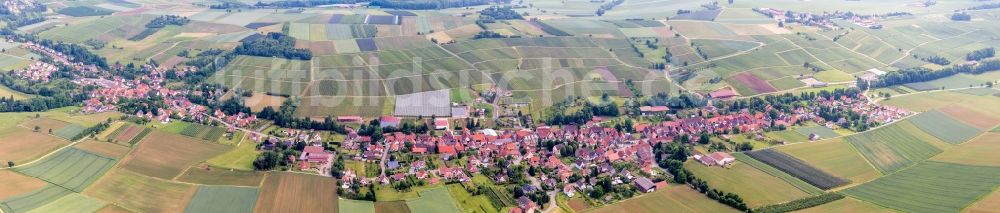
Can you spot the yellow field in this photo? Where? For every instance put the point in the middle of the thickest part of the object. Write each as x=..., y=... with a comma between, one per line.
x=142, y=193
x=103, y=148
x=22, y=145
x=990, y=203
x=754, y=186
x=834, y=156
x=978, y=151
x=928, y=101
x=16, y=184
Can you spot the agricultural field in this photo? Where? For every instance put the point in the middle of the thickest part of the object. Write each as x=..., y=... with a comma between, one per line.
x=278, y=187
x=72, y=203
x=797, y=168
x=33, y=200
x=975, y=152
x=70, y=131
x=204, y=132
x=220, y=176
x=944, y=127
x=223, y=199
x=18, y=184
x=675, y=197
x=846, y=205
x=143, y=193
x=103, y=148
x=894, y=147
x=21, y=145
x=370, y=60
x=756, y=187
x=126, y=134
x=391, y=207
x=432, y=201
x=239, y=158
x=165, y=155
x=468, y=201
x=929, y=187
x=775, y=172
x=70, y=168
x=359, y=206
x=835, y=156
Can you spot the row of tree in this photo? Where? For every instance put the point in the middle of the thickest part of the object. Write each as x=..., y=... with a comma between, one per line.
x=427, y=4
x=920, y=74
x=75, y=53
x=980, y=54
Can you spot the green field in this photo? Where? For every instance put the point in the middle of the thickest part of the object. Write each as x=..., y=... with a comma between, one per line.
x=223, y=199
x=71, y=168
x=835, y=156
x=673, y=198
x=204, y=132
x=944, y=127
x=71, y=203
x=359, y=206
x=764, y=167
x=142, y=193
x=435, y=200
x=893, y=147
x=240, y=158
x=69, y=131
x=478, y=203
x=757, y=188
x=930, y=187
x=33, y=200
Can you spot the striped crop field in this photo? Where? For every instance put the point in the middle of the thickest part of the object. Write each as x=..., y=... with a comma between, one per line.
x=892, y=147
x=930, y=187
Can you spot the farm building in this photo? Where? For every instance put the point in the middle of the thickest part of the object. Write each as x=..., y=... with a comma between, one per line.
x=716, y=158
x=350, y=119
x=812, y=82
x=645, y=185
x=650, y=110
x=314, y=154
x=723, y=93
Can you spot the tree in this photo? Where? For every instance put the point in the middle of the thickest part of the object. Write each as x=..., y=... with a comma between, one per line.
x=703, y=138
x=266, y=161
x=10, y=164
x=37, y=128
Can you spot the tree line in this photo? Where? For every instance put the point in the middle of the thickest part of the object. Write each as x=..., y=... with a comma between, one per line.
x=74, y=52
x=920, y=74
x=980, y=54
x=427, y=4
